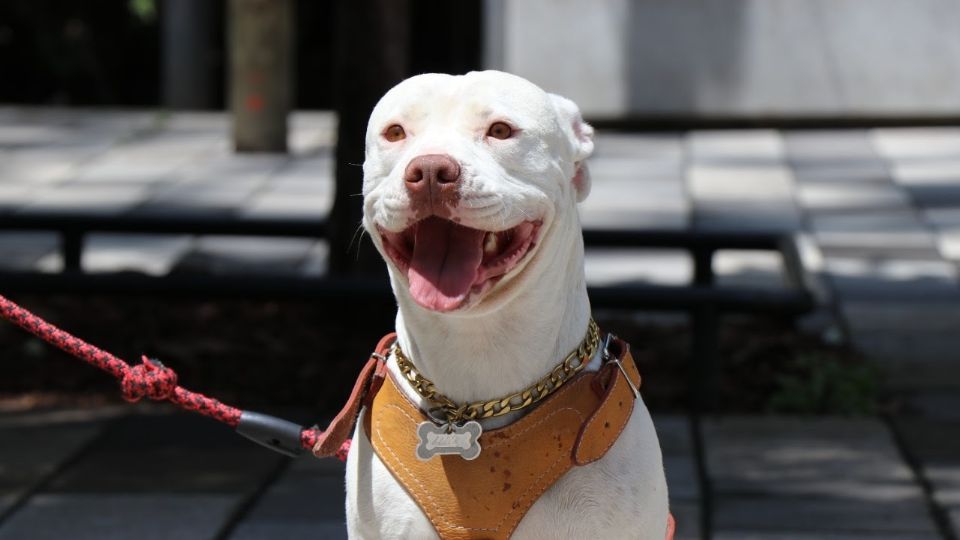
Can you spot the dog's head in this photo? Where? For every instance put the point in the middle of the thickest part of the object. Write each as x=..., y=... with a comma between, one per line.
x=464, y=180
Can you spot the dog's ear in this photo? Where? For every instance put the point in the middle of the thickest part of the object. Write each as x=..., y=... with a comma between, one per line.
x=580, y=135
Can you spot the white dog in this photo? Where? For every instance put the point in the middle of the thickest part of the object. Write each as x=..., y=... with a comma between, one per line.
x=470, y=191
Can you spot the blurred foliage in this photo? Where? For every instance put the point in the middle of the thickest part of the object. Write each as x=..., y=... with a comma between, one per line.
x=823, y=383
x=145, y=10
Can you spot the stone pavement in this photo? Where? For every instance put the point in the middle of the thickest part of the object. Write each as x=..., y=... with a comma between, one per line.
x=876, y=211
x=143, y=472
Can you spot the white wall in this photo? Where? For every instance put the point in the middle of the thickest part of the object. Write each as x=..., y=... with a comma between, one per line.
x=748, y=58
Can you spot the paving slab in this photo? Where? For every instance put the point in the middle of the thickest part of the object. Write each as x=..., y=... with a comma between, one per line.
x=674, y=434
x=753, y=269
x=915, y=341
x=873, y=232
x=883, y=277
x=307, y=501
x=14, y=195
x=620, y=203
x=847, y=197
x=31, y=452
x=683, y=482
x=687, y=516
x=936, y=446
x=787, y=474
x=201, y=197
x=640, y=146
x=317, y=260
x=754, y=147
x=247, y=255
x=913, y=143
x=152, y=254
x=101, y=199
x=176, y=453
x=742, y=197
x=312, y=170
x=154, y=516
x=828, y=146
x=22, y=250
x=648, y=266
x=603, y=169
x=271, y=204
x=821, y=535
x=865, y=172
x=823, y=515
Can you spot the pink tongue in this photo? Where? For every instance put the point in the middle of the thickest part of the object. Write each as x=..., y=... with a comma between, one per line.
x=444, y=265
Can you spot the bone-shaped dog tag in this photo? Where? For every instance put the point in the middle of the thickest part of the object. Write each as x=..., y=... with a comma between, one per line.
x=463, y=441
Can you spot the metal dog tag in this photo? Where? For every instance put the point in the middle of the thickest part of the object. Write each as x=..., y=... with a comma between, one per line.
x=449, y=439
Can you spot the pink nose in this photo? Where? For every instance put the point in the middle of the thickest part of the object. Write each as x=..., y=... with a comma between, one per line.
x=432, y=171
x=433, y=181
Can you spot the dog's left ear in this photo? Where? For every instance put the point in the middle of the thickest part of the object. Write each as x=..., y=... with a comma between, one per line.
x=580, y=135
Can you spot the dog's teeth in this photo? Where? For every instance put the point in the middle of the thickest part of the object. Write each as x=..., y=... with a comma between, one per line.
x=490, y=244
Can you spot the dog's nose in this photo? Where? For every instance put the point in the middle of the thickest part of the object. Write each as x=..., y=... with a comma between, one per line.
x=432, y=173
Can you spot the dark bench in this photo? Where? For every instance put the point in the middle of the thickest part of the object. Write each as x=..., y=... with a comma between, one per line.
x=702, y=299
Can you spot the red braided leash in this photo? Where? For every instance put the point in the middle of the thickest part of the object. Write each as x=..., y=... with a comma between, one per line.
x=152, y=379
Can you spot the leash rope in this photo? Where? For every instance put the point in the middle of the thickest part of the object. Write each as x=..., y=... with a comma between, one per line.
x=157, y=382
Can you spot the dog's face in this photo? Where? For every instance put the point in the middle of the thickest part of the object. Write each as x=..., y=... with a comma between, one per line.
x=464, y=179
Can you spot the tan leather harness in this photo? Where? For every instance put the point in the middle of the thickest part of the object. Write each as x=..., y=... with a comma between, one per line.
x=488, y=496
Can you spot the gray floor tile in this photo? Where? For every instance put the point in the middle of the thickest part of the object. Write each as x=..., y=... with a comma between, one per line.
x=99, y=199
x=683, y=482
x=14, y=195
x=821, y=535
x=741, y=146
x=912, y=143
x=687, y=517
x=288, y=205
x=242, y=254
x=308, y=497
x=753, y=269
x=290, y=530
x=864, y=172
x=87, y=516
x=645, y=147
x=673, y=431
x=881, y=277
x=824, y=515
x=847, y=197
x=148, y=253
x=178, y=453
x=826, y=146
x=851, y=460
x=22, y=250
x=659, y=266
x=936, y=445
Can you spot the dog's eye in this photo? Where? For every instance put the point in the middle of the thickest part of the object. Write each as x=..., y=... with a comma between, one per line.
x=394, y=133
x=500, y=130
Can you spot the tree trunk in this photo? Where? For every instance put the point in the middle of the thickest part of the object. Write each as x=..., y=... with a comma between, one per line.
x=260, y=43
x=372, y=56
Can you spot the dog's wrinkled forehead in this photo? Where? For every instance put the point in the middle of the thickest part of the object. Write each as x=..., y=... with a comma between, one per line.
x=469, y=101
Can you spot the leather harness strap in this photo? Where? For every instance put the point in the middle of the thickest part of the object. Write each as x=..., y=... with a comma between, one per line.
x=487, y=497
x=367, y=386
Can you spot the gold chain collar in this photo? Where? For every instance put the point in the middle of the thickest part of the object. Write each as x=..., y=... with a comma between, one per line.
x=457, y=414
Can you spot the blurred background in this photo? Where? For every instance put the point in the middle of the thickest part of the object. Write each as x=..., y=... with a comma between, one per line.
x=774, y=225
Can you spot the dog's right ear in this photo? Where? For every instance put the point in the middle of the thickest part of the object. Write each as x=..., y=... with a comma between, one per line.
x=580, y=135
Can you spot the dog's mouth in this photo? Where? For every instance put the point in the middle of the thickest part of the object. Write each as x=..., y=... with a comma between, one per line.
x=446, y=262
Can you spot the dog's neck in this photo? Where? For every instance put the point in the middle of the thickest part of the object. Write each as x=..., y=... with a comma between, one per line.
x=483, y=357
